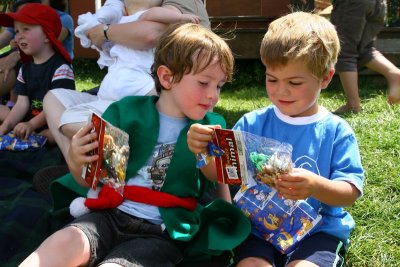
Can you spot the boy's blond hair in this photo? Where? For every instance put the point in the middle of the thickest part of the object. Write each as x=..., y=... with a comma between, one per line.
x=301, y=36
x=190, y=48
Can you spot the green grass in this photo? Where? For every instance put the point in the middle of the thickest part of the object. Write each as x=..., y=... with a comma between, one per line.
x=376, y=238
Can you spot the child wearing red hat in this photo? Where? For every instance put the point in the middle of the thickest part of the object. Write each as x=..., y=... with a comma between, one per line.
x=47, y=66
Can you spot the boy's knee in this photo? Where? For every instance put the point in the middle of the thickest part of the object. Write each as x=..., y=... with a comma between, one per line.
x=70, y=129
x=68, y=236
x=253, y=262
x=48, y=99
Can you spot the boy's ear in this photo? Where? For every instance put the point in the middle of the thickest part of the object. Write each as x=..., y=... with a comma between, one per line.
x=327, y=79
x=165, y=76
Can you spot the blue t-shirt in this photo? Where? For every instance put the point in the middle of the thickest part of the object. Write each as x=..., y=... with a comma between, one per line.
x=324, y=144
x=152, y=175
x=68, y=23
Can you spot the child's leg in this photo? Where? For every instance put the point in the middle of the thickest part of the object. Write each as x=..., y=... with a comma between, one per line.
x=257, y=252
x=4, y=110
x=318, y=250
x=349, y=80
x=53, y=110
x=59, y=102
x=66, y=247
x=6, y=85
x=50, y=138
x=383, y=66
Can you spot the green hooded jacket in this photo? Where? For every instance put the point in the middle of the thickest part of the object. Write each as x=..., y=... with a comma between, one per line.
x=210, y=229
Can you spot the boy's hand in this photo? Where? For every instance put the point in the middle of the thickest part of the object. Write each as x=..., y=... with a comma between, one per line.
x=3, y=129
x=198, y=137
x=296, y=185
x=23, y=129
x=190, y=18
x=82, y=143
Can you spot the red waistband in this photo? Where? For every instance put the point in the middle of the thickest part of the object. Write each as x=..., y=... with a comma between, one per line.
x=109, y=198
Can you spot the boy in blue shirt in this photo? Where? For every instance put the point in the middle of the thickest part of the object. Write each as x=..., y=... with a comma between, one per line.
x=299, y=51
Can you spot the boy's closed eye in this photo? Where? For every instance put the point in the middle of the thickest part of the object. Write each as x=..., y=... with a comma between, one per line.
x=295, y=83
x=204, y=84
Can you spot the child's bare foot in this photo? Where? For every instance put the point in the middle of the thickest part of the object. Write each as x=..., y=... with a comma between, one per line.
x=394, y=94
x=347, y=109
x=394, y=89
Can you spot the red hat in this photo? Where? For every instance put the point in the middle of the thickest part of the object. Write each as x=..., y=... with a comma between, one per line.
x=39, y=14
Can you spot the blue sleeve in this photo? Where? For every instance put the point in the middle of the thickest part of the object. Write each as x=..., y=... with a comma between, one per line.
x=346, y=162
x=67, y=22
x=11, y=30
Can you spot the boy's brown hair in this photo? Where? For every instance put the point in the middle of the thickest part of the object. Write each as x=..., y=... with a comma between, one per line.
x=301, y=36
x=190, y=48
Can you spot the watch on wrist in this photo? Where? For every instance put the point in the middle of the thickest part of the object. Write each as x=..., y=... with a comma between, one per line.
x=105, y=30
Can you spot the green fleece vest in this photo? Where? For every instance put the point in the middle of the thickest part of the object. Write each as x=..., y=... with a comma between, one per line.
x=212, y=229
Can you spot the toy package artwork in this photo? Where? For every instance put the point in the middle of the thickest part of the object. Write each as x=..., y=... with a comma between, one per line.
x=246, y=156
x=253, y=162
x=113, y=153
x=12, y=143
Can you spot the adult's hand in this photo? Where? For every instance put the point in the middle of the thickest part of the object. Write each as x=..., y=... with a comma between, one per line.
x=8, y=63
x=96, y=35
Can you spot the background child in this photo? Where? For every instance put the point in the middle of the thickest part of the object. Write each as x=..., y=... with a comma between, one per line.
x=191, y=65
x=367, y=19
x=299, y=51
x=37, y=27
x=10, y=61
x=128, y=75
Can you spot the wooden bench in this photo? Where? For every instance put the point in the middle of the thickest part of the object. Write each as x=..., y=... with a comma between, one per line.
x=244, y=35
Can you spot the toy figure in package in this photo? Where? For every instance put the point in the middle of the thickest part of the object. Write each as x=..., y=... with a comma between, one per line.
x=113, y=153
x=254, y=162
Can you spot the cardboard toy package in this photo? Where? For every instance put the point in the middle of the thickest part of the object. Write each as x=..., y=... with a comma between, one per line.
x=113, y=153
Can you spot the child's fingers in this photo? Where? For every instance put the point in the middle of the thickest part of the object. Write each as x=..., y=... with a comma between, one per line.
x=84, y=130
x=197, y=146
x=84, y=135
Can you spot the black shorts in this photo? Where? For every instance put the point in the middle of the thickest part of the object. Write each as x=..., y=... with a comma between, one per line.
x=321, y=249
x=116, y=237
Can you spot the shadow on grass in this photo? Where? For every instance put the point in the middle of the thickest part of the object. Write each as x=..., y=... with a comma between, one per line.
x=230, y=116
x=87, y=70
x=369, y=86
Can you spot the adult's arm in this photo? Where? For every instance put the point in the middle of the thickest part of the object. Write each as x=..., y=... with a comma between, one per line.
x=8, y=63
x=5, y=38
x=64, y=34
x=137, y=34
x=168, y=14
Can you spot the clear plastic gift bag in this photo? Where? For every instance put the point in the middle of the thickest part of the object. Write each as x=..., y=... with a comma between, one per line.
x=113, y=153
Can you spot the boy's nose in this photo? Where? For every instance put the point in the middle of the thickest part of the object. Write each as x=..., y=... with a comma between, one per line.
x=213, y=93
x=282, y=89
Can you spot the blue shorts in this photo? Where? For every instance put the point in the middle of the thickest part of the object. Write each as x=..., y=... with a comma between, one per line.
x=321, y=249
